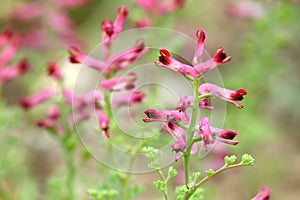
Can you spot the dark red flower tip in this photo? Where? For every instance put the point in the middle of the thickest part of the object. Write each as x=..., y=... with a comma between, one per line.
x=179, y=3
x=74, y=53
x=164, y=57
x=221, y=56
x=108, y=27
x=228, y=134
x=171, y=125
x=150, y=113
x=26, y=104
x=51, y=67
x=7, y=34
x=123, y=10
x=140, y=45
x=23, y=65
x=146, y=120
x=200, y=34
x=238, y=95
x=42, y=124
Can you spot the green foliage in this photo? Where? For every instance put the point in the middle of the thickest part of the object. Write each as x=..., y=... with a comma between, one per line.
x=182, y=190
x=172, y=172
x=247, y=159
x=230, y=160
x=209, y=172
x=102, y=193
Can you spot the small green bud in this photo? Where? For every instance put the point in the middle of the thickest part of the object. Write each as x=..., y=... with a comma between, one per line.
x=196, y=175
x=209, y=172
x=154, y=165
x=172, y=172
x=160, y=185
x=230, y=160
x=247, y=159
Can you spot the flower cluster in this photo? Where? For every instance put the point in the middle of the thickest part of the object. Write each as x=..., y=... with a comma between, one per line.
x=100, y=102
x=176, y=122
x=37, y=15
x=110, y=67
x=10, y=43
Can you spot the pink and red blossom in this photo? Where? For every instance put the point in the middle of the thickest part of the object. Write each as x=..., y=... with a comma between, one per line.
x=197, y=68
x=125, y=82
x=165, y=60
x=209, y=135
x=264, y=194
x=158, y=7
x=37, y=98
x=225, y=94
x=165, y=116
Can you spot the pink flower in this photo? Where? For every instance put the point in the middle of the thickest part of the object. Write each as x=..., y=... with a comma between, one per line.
x=124, y=58
x=209, y=135
x=114, y=63
x=142, y=23
x=159, y=7
x=204, y=103
x=218, y=59
x=103, y=122
x=12, y=72
x=28, y=11
x=71, y=3
x=165, y=116
x=81, y=106
x=264, y=194
x=51, y=121
x=246, y=10
x=196, y=69
x=184, y=103
x=5, y=36
x=37, y=98
x=81, y=103
x=9, y=51
x=179, y=136
x=127, y=99
x=201, y=35
x=77, y=57
x=54, y=71
x=119, y=83
x=110, y=30
x=225, y=94
x=165, y=60
x=53, y=113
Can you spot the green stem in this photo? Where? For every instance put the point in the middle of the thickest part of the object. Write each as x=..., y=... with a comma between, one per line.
x=189, y=135
x=205, y=179
x=71, y=173
x=164, y=180
x=128, y=175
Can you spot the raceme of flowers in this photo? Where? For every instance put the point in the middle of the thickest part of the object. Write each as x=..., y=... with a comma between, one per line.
x=175, y=121
x=99, y=101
